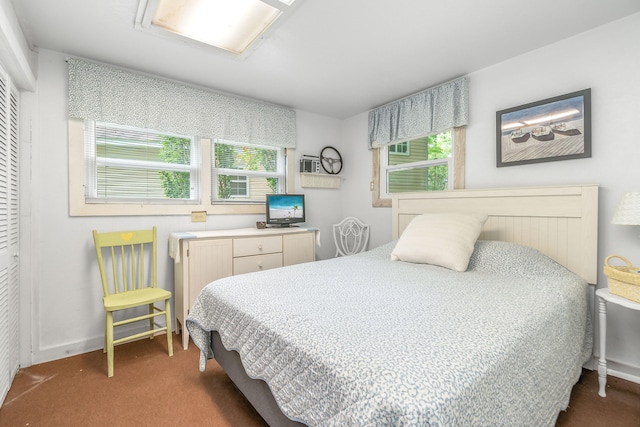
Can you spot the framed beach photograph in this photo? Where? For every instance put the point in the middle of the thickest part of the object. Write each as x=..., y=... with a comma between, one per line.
x=557, y=128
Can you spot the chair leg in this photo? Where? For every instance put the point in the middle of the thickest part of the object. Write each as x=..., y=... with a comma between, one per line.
x=106, y=327
x=151, y=326
x=109, y=339
x=167, y=309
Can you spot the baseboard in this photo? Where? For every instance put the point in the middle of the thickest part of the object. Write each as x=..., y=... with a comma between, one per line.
x=50, y=354
x=623, y=371
x=615, y=369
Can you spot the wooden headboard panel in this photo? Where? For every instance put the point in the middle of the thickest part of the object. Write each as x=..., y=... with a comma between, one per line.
x=561, y=222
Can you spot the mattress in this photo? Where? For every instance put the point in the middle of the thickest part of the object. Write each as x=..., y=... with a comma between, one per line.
x=363, y=340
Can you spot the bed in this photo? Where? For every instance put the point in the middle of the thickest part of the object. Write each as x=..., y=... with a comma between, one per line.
x=372, y=340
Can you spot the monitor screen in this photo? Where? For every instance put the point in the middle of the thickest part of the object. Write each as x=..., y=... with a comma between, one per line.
x=285, y=209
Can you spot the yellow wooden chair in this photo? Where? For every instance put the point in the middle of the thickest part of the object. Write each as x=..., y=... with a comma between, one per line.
x=126, y=284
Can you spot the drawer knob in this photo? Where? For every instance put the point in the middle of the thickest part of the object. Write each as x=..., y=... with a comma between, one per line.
x=260, y=247
x=259, y=266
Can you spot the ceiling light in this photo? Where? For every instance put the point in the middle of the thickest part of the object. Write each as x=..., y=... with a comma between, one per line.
x=231, y=25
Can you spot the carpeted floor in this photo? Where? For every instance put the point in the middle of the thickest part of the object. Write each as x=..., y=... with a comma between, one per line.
x=150, y=388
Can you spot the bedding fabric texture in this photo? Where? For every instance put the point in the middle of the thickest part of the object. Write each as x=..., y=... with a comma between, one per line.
x=366, y=341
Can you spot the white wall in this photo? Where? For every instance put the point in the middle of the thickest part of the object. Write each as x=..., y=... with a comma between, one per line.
x=15, y=55
x=607, y=60
x=356, y=194
x=313, y=133
x=62, y=302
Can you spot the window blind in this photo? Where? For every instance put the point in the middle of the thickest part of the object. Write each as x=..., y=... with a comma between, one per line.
x=247, y=172
x=123, y=162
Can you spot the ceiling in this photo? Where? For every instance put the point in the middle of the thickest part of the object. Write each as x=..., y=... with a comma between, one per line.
x=336, y=58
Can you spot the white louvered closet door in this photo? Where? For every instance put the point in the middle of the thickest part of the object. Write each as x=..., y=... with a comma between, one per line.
x=9, y=289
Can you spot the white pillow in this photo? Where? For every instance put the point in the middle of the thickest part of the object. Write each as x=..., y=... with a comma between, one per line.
x=444, y=239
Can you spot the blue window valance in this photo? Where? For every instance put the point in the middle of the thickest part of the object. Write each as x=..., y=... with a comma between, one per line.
x=108, y=94
x=430, y=111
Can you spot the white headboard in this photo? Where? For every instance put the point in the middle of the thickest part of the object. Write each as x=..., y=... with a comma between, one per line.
x=561, y=222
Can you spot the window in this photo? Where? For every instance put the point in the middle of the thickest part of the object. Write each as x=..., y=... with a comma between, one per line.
x=132, y=171
x=246, y=172
x=239, y=186
x=426, y=168
x=399, y=148
x=431, y=163
x=113, y=95
x=132, y=165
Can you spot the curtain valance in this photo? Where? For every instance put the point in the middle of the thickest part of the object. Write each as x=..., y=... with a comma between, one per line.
x=103, y=93
x=429, y=111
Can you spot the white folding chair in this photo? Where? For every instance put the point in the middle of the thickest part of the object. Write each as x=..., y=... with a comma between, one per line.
x=351, y=236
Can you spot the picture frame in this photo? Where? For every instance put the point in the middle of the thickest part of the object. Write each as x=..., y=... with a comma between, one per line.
x=552, y=129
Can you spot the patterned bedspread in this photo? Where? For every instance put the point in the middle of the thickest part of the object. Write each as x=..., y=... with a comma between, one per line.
x=366, y=341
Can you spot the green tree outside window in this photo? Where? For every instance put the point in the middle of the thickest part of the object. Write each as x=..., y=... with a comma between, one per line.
x=176, y=185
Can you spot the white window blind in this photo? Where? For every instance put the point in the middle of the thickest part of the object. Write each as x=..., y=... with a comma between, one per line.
x=129, y=164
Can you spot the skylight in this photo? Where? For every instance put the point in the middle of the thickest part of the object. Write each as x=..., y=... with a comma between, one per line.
x=231, y=25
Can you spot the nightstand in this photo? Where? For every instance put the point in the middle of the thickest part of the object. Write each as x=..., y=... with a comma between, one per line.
x=604, y=297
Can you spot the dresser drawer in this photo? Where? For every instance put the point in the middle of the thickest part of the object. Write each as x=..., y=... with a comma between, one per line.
x=249, y=264
x=257, y=245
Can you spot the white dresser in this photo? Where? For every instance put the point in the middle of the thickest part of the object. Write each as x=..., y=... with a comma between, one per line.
x=204, y=256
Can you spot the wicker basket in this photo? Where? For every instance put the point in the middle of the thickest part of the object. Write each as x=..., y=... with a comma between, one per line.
x=623, y=280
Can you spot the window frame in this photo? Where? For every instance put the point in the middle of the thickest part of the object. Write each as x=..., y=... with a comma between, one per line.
x=93, y=161
x=78, y=206
x=405, y=144
x=281, y=172
x=456, y=173
x=243, y=180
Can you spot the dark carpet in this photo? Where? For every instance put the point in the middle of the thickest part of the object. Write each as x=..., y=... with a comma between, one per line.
x=151, y=388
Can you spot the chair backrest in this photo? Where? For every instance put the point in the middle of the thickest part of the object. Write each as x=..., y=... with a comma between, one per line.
x=131, y=256
x=351, y=236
